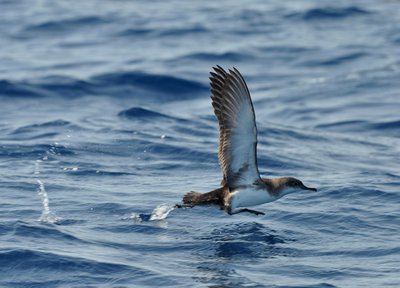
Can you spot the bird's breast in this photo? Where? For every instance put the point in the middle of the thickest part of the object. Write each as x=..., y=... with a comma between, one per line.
x=245, y=197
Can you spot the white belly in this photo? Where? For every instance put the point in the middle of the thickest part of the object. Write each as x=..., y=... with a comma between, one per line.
x=250, y=197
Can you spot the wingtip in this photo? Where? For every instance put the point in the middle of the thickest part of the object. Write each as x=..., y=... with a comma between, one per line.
x=219, y=70
x=219, y=67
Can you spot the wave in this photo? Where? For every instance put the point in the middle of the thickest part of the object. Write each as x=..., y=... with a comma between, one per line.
x=65, y=86
x=336, y=60
x=46, y=87
x=46, y=130
x=160, y=32
x=26, y=259
x=62, y=26
x=328, y=13
x=135, y=32
x=39, y=231
x=150, y=82
x=245, y=241
x=15, y=89
x=183, y=31
x=142, y=113
x=133, y=84
x=363, y=126
x=218, y=57
x=34, y=151
x=50, y=124
x=79, y=172
x=389, y=125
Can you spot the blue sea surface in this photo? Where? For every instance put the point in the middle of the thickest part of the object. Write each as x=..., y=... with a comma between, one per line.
x=106, y=121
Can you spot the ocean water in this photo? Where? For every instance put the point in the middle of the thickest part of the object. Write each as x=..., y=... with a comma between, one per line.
x=106, y=121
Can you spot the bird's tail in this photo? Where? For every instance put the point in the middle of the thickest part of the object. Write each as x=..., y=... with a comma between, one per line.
x=192, y=198
x=197, y=198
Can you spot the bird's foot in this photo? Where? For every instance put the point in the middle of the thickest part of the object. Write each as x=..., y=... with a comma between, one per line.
x=250, y=211
x=184, y=205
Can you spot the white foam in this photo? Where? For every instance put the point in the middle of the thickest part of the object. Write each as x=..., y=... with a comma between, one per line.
x=47, y=216
x=135, y=217
x=161, y=211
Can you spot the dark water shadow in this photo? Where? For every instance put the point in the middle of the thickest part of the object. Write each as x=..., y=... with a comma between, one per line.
x=245, y=241
x=238, y=244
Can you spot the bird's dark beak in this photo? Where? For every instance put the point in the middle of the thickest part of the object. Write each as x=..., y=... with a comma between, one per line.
x=308, y=188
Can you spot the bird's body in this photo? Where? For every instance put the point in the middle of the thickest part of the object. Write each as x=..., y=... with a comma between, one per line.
x=242, y=185
x=249, y=196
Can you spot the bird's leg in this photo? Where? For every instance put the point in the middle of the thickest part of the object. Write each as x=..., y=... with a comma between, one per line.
x=184, y=205
x=247, y=210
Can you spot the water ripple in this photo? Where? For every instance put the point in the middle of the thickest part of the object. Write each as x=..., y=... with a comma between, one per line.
x=329, y=13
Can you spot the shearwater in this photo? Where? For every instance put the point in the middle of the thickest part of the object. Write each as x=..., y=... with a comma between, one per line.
x=241, y=186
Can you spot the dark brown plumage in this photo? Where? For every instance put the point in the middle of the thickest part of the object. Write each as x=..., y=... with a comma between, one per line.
x=241, y=185
x=212, y=197
x=231, y=99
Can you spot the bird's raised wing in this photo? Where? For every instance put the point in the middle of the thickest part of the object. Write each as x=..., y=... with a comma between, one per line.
x=237, y=125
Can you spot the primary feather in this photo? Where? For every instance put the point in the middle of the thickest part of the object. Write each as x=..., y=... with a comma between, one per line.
x=237, y=124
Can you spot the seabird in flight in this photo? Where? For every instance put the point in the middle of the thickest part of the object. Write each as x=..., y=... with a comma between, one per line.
x=241, y=186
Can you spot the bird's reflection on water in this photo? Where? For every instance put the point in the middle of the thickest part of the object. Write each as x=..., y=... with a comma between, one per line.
x=246, y=241
x=239, y=244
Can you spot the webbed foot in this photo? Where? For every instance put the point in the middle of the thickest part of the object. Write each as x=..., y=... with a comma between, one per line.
x=247, y=210
x=184, y=205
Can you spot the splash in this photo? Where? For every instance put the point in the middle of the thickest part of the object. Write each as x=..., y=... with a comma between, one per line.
x=47, y=216
x=161, y=212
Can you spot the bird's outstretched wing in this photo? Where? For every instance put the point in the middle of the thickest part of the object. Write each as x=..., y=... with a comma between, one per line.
x=237, y=124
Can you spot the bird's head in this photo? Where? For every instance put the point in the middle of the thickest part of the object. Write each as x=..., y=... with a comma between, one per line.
x=288, y=185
